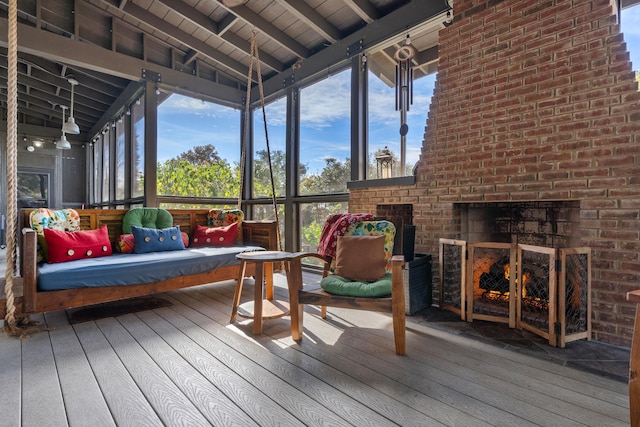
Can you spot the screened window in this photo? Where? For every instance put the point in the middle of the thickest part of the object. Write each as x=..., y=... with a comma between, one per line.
x=384, y=127
x=137, y=118
x=97, y=170
x=266, y=212
x=105, y=165
x=276, y=118
x=120, y=161
x=325, y=135
x=198, y=148
x=312, y=219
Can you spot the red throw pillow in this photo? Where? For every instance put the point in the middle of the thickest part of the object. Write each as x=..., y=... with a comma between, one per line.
x=215, y=236
x=71, y=245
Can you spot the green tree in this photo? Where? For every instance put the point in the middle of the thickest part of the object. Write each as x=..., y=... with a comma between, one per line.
x=200, y=155
x=332, y=179
x=199, y=172
x=181, y=178
x=261, y=178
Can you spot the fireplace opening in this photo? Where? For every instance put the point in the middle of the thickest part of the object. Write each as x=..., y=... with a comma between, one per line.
x=552, y=224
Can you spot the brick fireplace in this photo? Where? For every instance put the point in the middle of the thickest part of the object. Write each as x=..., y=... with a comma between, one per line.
x=535, y=103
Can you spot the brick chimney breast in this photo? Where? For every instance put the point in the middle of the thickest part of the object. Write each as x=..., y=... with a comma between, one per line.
x=535, y=100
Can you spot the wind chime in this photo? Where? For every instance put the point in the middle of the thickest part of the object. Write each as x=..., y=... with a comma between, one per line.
x=404, y=92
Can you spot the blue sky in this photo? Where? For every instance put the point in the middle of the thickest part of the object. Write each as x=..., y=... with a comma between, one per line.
x=630, y=24
x=186, y=122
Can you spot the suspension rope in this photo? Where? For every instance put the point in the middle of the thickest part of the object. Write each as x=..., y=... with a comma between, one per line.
x=10, y=323
x=255, y=57
x=14, y=326
x=245, y=134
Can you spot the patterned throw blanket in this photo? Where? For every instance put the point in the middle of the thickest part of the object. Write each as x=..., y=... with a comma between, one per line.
x=337, y=225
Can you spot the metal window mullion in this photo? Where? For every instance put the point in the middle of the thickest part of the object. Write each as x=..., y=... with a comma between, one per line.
x=292, y=178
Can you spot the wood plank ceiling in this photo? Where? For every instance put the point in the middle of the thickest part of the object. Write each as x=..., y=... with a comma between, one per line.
x=198, y=47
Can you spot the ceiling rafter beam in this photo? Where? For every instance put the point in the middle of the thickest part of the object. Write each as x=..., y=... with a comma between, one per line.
x=226, y=23
x=44, y=103
x=91, y=57
x=191, y=56
x=32, y=107
x=46, y=88
x=269, y=30
x=102, y=83
x=313, y=19
x=190, y=13
x=236, y=68
x=394, y=24
x=86, y=95
x=213, y=29
x=133, y=89
x=364, y=9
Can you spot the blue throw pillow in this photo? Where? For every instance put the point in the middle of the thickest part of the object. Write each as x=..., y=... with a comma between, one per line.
x=153, y=240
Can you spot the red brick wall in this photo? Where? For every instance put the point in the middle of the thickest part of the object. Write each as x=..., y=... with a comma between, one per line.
x=535, y=100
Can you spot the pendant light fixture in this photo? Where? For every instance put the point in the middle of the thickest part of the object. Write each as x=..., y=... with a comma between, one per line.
x=70, y=125
x=62, y=143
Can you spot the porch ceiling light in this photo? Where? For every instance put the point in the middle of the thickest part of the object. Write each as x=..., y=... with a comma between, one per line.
x=70, y=125
x=62, y=143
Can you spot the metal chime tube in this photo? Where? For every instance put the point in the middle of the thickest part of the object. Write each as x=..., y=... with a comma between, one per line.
x=404, y=95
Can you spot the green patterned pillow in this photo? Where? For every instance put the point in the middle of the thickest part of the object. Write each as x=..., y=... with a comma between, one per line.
x=157, y=218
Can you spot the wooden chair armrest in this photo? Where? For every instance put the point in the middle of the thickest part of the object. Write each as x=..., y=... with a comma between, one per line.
x=397, y=259
x=634, y=296
x=300, y=255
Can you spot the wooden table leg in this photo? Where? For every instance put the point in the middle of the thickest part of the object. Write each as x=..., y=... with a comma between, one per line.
x=294, y=283
x=258, y=295
x=238, y=292
x=268, y=280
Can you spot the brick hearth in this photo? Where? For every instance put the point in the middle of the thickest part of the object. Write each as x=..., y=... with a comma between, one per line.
x=535, y=101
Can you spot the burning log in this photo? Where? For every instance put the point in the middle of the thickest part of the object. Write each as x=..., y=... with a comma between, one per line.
x=496, y=280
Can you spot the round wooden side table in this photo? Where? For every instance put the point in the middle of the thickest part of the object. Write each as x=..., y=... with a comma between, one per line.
x=263, y=306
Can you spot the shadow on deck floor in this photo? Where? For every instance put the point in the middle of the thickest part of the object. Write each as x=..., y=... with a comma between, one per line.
x=592, y=356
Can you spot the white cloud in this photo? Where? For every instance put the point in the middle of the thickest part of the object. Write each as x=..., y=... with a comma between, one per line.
x=326, y=101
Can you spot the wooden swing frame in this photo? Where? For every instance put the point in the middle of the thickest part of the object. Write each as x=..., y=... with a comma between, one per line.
x=17, y=309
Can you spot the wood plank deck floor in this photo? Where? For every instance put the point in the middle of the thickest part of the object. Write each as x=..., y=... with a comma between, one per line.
x=185, y=365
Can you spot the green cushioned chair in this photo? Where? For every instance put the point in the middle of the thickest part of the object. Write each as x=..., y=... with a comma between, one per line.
x=385, y=294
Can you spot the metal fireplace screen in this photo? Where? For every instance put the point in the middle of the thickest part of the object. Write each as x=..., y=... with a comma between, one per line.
x=491, y=284
x=575, y=284
x=537, y=290
x=543, y=290
x=452, y=274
